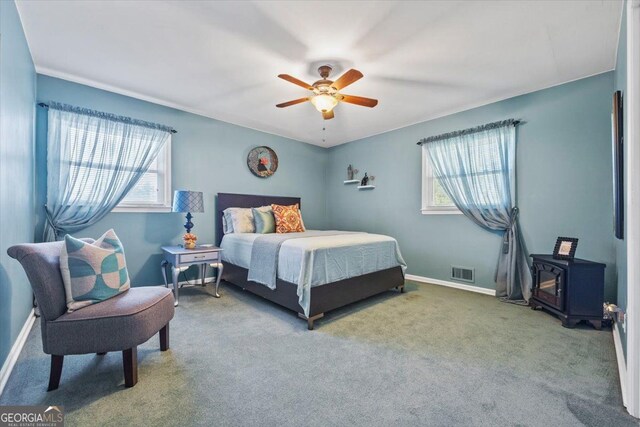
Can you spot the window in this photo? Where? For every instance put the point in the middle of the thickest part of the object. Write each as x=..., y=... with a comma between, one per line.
x=152, y=193
x=434, y=199
x=484, y=173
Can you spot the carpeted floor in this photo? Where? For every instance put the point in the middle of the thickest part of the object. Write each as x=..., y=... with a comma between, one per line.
x=432, y=356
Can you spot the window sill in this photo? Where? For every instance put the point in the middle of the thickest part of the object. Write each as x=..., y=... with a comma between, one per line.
x=141, y=209
x=441, y=212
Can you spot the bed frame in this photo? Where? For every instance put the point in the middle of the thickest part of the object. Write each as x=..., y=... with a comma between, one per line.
x=323, y=298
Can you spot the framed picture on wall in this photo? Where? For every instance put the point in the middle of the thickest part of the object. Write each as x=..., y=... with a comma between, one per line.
x=617, y=135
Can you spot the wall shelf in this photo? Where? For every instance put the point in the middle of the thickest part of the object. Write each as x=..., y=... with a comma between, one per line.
x=366, y=187
x=351, y=181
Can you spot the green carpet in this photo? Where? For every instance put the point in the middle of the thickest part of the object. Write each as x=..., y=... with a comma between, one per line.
x=432, y=356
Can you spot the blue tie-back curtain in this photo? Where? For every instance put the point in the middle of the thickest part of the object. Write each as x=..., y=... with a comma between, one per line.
x=93, y=160
x=476, y=168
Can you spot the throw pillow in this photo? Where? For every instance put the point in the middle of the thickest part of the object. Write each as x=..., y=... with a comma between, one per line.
x=93, y=272
x=264, y=220
x=240, y=220
x=288, y=219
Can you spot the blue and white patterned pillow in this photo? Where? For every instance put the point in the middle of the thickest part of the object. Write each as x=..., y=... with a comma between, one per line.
x=93, y=272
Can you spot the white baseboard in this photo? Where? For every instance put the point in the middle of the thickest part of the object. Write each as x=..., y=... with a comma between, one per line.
x=448, y=284
x=622, y=364
x=12, y=357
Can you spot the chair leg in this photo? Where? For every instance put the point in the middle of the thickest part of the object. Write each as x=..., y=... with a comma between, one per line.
x=130, y=365
x=164, y=338
x=56, y=372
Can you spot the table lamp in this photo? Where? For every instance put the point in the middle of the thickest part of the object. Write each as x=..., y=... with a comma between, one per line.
x=188, y=201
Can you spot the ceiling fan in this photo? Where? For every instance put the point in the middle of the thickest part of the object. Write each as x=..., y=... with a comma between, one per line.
x=326, y=93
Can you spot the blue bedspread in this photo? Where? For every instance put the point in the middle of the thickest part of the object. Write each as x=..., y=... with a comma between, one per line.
x=266, y=250
x=314, y=258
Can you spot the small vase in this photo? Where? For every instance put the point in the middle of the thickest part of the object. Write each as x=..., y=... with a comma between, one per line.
x=189, y=244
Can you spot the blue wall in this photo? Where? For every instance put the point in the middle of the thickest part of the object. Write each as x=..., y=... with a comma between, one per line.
x=620, y=83
x=18, y=91
x=564, y=178
x=207, y=155
x=564, y=183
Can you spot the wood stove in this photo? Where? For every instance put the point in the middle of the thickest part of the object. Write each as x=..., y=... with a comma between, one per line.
x=571, y=289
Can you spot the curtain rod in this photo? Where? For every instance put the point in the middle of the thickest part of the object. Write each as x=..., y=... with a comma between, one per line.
x=44, y=105
x=494, y=125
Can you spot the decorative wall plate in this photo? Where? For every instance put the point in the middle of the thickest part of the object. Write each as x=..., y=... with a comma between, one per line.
x=262, y=162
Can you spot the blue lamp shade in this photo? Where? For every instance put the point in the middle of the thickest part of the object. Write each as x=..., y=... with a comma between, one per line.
x=187, y=201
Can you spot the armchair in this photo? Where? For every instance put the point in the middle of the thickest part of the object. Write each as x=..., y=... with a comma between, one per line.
x=120, y=323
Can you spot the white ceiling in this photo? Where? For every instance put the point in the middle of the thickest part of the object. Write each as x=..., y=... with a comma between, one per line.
x=420, y=59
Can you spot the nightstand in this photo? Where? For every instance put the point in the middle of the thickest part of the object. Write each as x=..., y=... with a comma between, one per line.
x=180, y=259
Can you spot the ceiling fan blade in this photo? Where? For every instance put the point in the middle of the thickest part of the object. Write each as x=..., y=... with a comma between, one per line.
x=290, y=103
x=346, y=79
x=295, y=81
x=359, y=100
x=328, y=115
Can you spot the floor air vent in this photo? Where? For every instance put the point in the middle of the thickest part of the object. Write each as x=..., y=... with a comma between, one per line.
x=463, y=274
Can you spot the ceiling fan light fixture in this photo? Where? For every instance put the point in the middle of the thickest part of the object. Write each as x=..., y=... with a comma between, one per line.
x=326, y=93
x=324, y=103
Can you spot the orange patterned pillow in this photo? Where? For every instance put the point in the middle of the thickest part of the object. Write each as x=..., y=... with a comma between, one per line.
x=288, y=219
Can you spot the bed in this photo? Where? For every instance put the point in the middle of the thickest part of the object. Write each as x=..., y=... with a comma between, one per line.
x=312, y=300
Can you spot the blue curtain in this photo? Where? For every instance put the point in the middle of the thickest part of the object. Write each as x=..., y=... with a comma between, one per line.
x=476, y=168
x=93, y=160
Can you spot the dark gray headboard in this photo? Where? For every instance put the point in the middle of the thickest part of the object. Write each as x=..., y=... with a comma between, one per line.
x=229, y=200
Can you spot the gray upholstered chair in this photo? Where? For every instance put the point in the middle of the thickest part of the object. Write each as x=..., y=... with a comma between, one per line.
x=120, y=323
